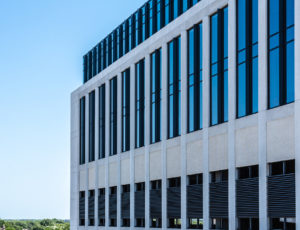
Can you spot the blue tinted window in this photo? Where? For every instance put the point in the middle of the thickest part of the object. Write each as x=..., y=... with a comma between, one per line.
x=174, y=88
x=155, y=96
x=82, y=131
x=281, y=52
x=126, y=110
x=195, y=78
x=247, y=60
x=219, y=67
x=140, y=103
x=92, y=126
x=113, y=116
x=102, y=121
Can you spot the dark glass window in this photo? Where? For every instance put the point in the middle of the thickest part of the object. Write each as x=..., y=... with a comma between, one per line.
x=126, y=110
x=281, y=52
x=248, y=172
x=90, y=65
x=195, y=179
x=219, y=67
x=102, y=121
x=85, y=68
x=109, y=49
x=104, y=54
x=139, y=103
x=146, y=21
x=174, y=88
x=155, y=96
x=95, y=61
x=247, y=57
x=92, y=126
x=219, y=176
x=113, y=116
x=82, y=131
x=99, y=58
x=282, y=167
x=195, y=78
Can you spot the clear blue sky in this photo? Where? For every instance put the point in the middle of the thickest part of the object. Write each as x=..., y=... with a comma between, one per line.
x=41, y=47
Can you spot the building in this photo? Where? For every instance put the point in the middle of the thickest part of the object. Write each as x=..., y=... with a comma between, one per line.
x=189, y=117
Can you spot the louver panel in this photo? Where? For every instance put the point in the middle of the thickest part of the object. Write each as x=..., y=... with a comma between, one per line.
x=247, y=198
x=101, y=207
x=125, y=209
x=174, y=202
x=281, y=196
x=155, y=203
x=194, y=201
x=218, y=199
x=113, y=206
x=139, y=207
x=92, y=207
x=82, y=207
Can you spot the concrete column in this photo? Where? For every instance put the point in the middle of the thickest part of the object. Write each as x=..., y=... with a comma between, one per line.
x=206, y=56
x=132, y=143
x=232, y=113
x=119, y=143
x=147, y=141
x=262, y=107
x=297, y=109
x=96, y=154
x=164, y=105
x=75, y=135
x=183, y=126
x=86, y=158
x=107, y=122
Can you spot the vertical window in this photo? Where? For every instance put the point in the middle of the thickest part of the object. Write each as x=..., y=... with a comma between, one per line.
x=125, y=110
x=82, y=131
x=85, y=74
x=104, y=53
x=121, y=41
x=174, y=88
x=102, y=121
x=99, y=58
x=90, y=65
x=113, y=116
x=115, y=46
x=281, y=52
x=247, y=57
x=155, y=96
x=109, y=50
x=95, y=61
x=195, y=78
x=92, y=126
x=139, y=103
x=167, y=12
x=219, y=67
x=133, y=37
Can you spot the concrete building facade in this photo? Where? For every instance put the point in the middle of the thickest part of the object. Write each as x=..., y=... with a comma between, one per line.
x=147, y=152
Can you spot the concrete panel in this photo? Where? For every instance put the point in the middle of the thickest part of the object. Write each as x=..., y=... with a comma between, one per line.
x=113, y=174
x=218, y=152
x=246, y=146
x=82, y=180
x=155, y=165
x=139, y=169
x=101, y=176
x=92, y=178
x=125, y=171
x=194, y=157
x=173, y=162
x=281, y=139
